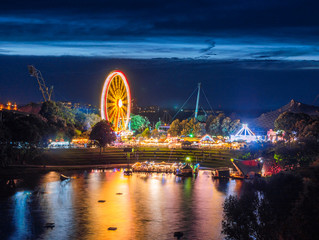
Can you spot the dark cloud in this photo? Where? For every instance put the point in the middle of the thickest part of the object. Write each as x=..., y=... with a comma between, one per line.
x=248, y=54
x=286, y=52
x=113, y=19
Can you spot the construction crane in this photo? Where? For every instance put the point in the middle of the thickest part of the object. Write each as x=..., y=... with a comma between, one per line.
x=316, y=98
x=46, y=92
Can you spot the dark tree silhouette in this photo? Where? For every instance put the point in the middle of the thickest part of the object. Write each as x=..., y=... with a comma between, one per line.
x=272, y=209
x=103, y=134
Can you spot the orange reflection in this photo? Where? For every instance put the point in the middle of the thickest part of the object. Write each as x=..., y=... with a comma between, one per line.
x=151, y=206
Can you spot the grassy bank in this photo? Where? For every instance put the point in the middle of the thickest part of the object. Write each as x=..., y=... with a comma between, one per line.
x=73, y=159
x=208, y=158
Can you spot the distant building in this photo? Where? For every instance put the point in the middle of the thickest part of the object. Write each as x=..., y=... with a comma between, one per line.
x=134, y=107
x=9, y=106
x=85, y=108
x=150, y=109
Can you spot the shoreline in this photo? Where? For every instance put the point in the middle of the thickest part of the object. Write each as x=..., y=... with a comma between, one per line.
x=14, y=171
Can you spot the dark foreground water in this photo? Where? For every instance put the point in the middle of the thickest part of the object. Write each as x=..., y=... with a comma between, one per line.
x=152, y=206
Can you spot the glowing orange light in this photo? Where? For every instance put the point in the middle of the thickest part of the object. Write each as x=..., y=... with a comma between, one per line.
x=116, y=100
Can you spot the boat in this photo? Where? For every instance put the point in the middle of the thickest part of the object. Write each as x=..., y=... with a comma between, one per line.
x=128, y=172
x=186, y=171
x=222, y=172
x=63, y=177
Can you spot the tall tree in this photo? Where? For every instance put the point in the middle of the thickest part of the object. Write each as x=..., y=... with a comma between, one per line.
x=209, y=119
x=175, y=128
x=225, y=126
x=287, y=122
x=155, y=133
x=139, y=123
x=185, y=127
x=146, y=133
x=103, y=133
x=215, y=125
x=311, y=131
x=234, y=126
x=264, y=209
x=158, y=124
x=194, y=127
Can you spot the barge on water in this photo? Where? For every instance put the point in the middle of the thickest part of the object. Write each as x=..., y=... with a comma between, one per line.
x=152, y=167
x=180, y=169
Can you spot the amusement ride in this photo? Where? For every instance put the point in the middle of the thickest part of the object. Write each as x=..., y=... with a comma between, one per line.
x=116, y=101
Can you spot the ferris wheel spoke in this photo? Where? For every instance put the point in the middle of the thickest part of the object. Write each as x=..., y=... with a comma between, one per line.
x=115, y=121
x=111, y=95
x=110, y=100
x=112, y=86
x=110, y=109
x=121, y=86
x=123, y=119
x=119, y=83
x=110, y=105
x=110, y=118
x=118, y=119
x=124, y=108
x=124, y=100
x=111, y=113
x=116, y=82
x=123, y=94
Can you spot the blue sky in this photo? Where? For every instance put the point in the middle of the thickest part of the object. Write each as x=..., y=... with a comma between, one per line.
x=264, y=44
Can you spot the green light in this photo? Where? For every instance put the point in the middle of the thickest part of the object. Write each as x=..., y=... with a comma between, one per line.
x=188, y=158
x=191, y=135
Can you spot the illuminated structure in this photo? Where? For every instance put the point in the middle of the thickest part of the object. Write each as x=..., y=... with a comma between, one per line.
x=244, y=134
x=207, y=139
x=116, y=101
x=9, y=106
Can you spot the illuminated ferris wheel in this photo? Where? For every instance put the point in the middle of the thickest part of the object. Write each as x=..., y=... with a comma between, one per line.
x=116, y=101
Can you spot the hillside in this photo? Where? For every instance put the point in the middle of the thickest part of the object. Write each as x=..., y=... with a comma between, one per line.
x=266, y=120
x=33, y=108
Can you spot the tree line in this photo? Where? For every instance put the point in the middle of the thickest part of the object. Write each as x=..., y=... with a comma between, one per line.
x=22, y=133
x=219, y=125
x=299, y=125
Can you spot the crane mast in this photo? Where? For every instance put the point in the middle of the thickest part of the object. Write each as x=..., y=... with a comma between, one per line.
x=46, y=92
x=197, y=101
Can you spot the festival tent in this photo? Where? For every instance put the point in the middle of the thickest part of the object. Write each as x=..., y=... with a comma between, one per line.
x=207, y=139
x=248, y=167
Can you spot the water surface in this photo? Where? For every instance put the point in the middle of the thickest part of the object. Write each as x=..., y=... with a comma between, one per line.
x=149, y=206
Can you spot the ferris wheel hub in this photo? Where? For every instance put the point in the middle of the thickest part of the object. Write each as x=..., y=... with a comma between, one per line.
x=119, y=103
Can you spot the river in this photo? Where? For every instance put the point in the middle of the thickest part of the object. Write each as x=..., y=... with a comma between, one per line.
x=141, y=206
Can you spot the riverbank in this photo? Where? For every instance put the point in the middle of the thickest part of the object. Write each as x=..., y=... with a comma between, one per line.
x=74, y=159
x=213, y=157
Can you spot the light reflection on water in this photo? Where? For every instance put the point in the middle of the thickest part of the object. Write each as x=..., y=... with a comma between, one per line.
x=152, y=206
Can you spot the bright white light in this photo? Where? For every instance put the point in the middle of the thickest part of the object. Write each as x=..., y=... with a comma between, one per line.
x=244, y=134
x=119, y=103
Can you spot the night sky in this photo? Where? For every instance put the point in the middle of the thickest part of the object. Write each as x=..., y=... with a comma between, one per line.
x=248, y=54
